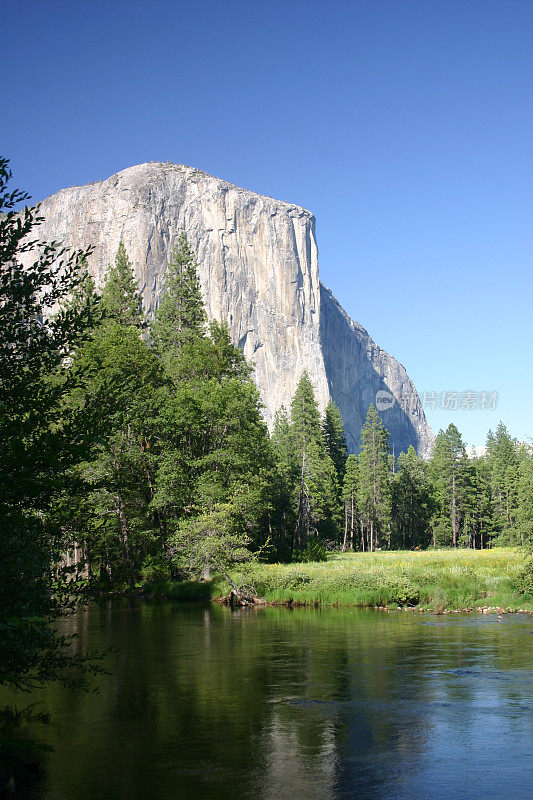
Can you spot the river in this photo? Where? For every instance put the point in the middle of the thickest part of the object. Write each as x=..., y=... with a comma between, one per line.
x=276, y=704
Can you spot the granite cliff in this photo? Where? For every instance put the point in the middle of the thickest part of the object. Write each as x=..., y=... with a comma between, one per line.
x=258, y=272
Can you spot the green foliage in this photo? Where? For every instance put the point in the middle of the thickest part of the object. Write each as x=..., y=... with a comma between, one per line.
x=524, y=579
x=214, y=442
x=210, y=543
x=180, y=316
x=177, y=434
x=118, y=377
x=411, y=502
x=335, y=439
x=349, y=496
x=503, y=477
x=284, y=480
x=316, y=492
x=120, y=389
x=305, y=418
x=451, y=474
x=351, y=477
x=374, y=480
x=314, y=550
x=525, y=500
x=41, y=439
x=214, y=448
x=480, y=522
x=155, y=570
x=121, y=299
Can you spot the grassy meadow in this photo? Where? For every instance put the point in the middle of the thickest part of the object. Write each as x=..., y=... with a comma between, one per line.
x=434, y=580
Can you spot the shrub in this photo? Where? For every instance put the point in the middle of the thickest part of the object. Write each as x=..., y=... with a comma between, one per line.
x=524, y=578
x=294, y=580
x=315, y=550
x=155, y=569
x=404, y=592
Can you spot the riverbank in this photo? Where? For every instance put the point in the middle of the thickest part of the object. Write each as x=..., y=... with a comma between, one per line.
x=432, y=580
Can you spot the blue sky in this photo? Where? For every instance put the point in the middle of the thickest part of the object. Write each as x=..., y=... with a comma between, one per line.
x=404, y=125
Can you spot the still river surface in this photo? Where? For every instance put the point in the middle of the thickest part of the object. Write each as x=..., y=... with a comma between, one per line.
x=274, y=704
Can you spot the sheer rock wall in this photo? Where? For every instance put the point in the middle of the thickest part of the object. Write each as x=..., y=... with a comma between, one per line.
x=258, y=272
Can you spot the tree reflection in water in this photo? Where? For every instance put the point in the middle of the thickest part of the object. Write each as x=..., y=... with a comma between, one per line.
x=205, y=703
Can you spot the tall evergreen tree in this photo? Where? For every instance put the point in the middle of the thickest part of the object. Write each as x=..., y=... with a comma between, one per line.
x=482, y=506
x=374, y=493
x=335, y=439
x=121, y=385
x=121, y=299
x=349, y=495
x=121, y=388
x=411, y=502
x=284, y=481
x=451, y=477
x=305, y=417
x=215, y=446
x=502, y=462
x=181, y=315
x=525, y=499
x=317, y=486
x=305, y=427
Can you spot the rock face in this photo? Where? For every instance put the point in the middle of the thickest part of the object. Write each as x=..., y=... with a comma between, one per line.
x=357, y=370
x=258, y=271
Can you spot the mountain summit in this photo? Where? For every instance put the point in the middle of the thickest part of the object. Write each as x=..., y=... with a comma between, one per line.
x=258, y=270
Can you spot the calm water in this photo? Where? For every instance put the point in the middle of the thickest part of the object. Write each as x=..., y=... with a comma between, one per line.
x=275, y=704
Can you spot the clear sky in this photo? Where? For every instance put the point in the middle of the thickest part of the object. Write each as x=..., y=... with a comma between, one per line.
x=404, y=125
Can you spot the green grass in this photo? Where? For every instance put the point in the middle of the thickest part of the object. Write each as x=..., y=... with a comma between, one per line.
x=433, y=579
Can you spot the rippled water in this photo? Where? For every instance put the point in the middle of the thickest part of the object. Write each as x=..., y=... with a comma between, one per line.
x=273, y=704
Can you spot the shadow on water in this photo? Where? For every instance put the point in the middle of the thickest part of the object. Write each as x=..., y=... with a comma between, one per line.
x=207, y=703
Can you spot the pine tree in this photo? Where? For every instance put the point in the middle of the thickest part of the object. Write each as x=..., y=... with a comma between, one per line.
x=451, y=477
x=215, y=446
x=305, y=428
x=121, y=299
x=525, y=499
x=502, y=462
x=317, y=486
x=411, y=502
x=323, y=488
x=305, y=417
x=374, y=493
x=335, y=439
x=120, y=391
x=349, y=495
x=215, y=451
x=482, y=509
x=180, y=316
x=285, y=480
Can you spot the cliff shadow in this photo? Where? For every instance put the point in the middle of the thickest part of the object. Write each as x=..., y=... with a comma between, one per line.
x=356, y=370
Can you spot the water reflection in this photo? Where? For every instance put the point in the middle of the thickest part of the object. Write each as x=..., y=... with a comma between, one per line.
x=204, y=703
